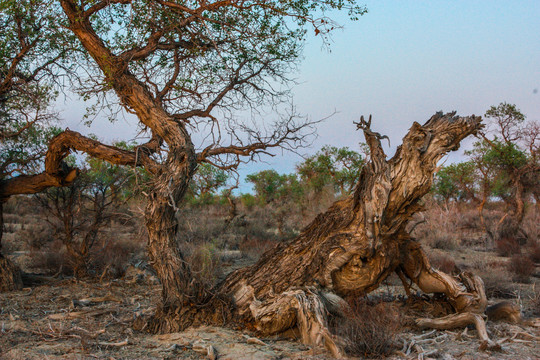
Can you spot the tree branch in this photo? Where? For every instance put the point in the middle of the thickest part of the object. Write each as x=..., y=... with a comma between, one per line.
x=58, y=174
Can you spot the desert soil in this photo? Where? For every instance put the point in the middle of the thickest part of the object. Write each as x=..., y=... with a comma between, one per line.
x=66, y=319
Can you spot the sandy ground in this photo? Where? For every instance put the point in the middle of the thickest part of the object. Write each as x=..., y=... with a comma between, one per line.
x=91, y=320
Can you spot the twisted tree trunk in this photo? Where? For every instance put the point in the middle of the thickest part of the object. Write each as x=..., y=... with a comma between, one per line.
x=358, y=242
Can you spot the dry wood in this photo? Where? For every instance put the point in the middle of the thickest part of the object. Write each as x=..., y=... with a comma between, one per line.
x=204, y=348
x=95, y=300
x=119, y=343
x=358, y=242
x=79, y=314
x=10, y=275
x=253, y=340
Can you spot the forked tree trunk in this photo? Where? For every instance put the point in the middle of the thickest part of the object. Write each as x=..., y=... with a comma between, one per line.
x=509, y=225
x=350, y=249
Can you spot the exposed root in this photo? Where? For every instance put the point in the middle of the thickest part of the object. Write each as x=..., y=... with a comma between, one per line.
x=303, y=308
x=459, y=321
x=178, y=317
x=465, y=293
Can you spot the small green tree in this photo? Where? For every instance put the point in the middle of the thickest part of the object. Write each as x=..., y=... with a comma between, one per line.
x=283, y=193
x=455, y=181
x=510, y=146
x=206, y=183
x=331, y=166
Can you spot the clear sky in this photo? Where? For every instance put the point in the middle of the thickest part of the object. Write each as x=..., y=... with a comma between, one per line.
x=402, y=62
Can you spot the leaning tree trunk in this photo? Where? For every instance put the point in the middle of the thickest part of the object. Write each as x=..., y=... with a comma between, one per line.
x=183, y=296
x=358, y=242
x=10, y=274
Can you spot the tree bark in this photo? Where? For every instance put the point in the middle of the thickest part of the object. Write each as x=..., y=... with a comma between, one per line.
x=10, y=274
x=182, y=294
x=350, y=249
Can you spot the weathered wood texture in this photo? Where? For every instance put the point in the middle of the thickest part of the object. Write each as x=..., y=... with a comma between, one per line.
x=350, y=249
x=359, y=241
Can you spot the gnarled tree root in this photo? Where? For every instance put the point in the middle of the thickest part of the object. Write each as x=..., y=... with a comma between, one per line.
x=464, y=292
x=459, y=321
x=303, y=308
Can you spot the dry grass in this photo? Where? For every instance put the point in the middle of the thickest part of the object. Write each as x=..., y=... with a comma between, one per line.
x=442, y=262
x=498, y=283
x=507, y=246
x=521, y=267
x=369, y=330
x=534, y=252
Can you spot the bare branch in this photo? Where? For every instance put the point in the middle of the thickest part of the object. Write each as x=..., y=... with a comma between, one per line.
x=58, y=174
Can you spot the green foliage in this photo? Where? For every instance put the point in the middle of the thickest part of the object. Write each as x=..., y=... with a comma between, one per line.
x=22, y=153
x=501, y=164
x=507, y=119
x=455, y=181
x=248, y=200
x=337, y=167
x=273, y=187
x=205, y=185
x=204, y=47
x=33, y=47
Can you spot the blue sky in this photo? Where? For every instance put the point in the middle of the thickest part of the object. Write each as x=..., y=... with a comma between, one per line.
x=402, y=62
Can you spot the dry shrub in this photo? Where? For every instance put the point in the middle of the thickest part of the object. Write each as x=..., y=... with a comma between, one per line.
x=507, y=246
x=205, y=263
x=369, y=330
x=522, y=267
x=37, y=237
x=50, y=259
x=112, y=258
x=534, y=252
x=445, y=242
x=469, y=220
x=253, y=248
x=535, y=304
x=497, y=283
x=497, y=264
x=530, y=224
x=442, y=262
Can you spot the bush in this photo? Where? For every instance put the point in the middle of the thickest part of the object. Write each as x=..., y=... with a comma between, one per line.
x=507, y=246
x=534, y=252
x=437, y=239
x=369, y=330
x=497, y=283
x=253, y=248
x=205, y=263
x=50, y=259
x=443, y=262
x=522, y=267
x=113, y=256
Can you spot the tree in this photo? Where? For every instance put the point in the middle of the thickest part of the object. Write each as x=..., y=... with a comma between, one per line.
x=456, y=181
x=29, y=50
x=181, y=68
x=357, y=243
x=206, y=182
x=283, y=192
x=337, y=167
x=510, y=146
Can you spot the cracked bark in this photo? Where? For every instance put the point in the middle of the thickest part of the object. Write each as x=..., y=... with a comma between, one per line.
x=350, y=249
